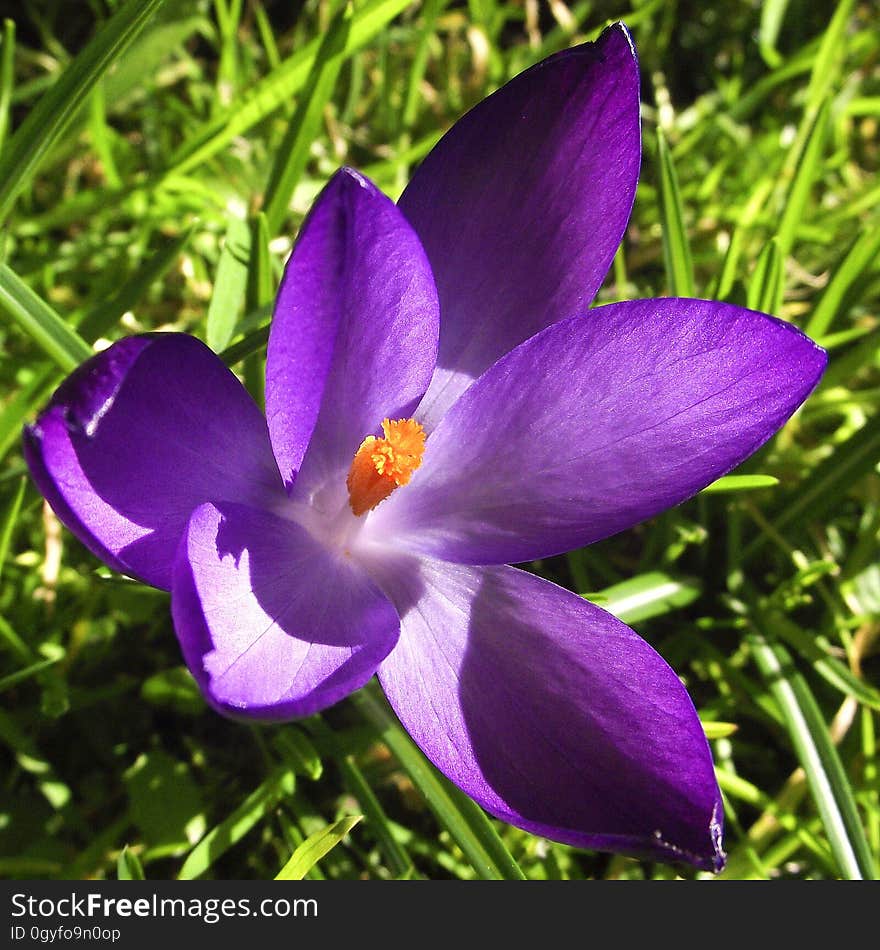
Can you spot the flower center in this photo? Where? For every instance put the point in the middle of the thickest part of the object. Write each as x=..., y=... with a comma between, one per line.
x=381, y=465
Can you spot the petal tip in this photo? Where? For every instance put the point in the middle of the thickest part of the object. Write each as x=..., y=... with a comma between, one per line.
x=352, y=173
x=822, y=355
x=87, y=395
x=716, y=833
x=346, y=190
x=32, y=450
x=618, y=30
x=712, y=858
x=346, y=176
x=345, y=185
x=814, y=361
x=32, y=434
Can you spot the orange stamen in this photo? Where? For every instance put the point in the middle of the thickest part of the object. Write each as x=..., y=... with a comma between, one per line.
x=381, y=465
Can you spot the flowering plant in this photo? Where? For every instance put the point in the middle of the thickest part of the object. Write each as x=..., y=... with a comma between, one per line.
x=440, y=403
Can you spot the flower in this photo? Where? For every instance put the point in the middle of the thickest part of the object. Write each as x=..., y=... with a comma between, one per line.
x=440, y=403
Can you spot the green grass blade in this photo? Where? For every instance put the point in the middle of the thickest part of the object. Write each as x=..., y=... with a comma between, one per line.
x=19, y=676
x=826, y=665
x=772, y=15
x=861, y=256
x=462, y=818
x=843, y=367
x=296, y=748
x=7, y=76
x=827, y=779
x=806, y=173
x=19, y=406
x=377, y=823
x=737, y=787
x=315, y=847
x=106, y=315
x=766, y=286
x=718, y=730
x=261, y=279
x=399, y=861
x=863, y=105
x=645, y=596
x=229, y=286
x=10, y=521
x=275, y=90
x=266, y=35
x=174, y=689
x=230, y=831
x=14, y=642
x=834, y=341
x=31, y=760
x=228, y=19
x=430, y=11
x=739, y=483
x=253, y=342
x=50, y=118
x=175, y=25
x=871, y=774
x=388, y=171
x=294, y=150
x=676, y=248
x=102, y=137
x=40, y=322
x=129, y=867
x=258, y=297
x=826, y=65
x=727, y=278
x=752, y=97
x=834, y=477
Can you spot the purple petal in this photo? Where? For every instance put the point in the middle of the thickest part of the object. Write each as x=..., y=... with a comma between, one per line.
x=273, y=626
x=550, y=713
x=139, y=436
x=522, y=205
x=354, y=336
x=597, y=423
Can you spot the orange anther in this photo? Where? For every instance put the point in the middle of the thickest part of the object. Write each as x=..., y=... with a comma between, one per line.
x=381, y=465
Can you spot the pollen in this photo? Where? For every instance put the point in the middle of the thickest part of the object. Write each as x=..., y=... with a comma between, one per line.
x=382, y=465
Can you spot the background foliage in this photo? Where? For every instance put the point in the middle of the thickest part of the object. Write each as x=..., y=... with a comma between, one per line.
x=156, y=161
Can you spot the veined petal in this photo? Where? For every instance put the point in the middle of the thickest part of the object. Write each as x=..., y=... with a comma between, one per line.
x=139, y=436
x=354, y=335
x=550, y=713
x=597, y=423
x=271, y=624
x=522, y=204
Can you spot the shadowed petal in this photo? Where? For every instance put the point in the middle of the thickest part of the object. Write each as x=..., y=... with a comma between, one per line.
x=596, y=424
x=139, y=436
x=354, y=335
x=551, y=713
x=272, y=626
x=521, y=206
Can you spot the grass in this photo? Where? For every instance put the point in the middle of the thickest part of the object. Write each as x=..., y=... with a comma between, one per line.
x=154, y=170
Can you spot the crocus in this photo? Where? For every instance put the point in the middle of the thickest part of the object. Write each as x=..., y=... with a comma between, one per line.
x=441, y=402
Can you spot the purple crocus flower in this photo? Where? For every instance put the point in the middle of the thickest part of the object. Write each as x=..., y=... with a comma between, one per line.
x=441, y=403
